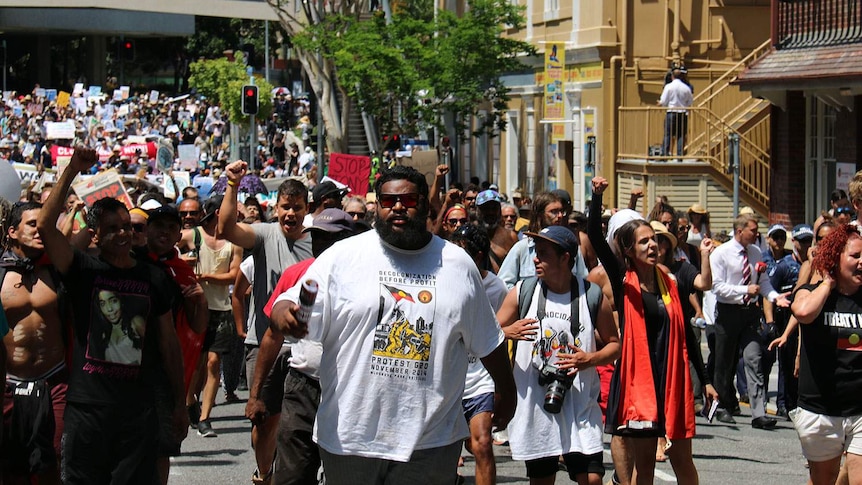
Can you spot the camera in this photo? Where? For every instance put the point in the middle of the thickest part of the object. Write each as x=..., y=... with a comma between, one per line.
x=557, y=383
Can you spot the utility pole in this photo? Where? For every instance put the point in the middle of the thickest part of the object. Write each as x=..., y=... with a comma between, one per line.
x=266, y=49
x=253, y=135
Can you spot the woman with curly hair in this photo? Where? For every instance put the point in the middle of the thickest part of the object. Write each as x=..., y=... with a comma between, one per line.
x=829, y=417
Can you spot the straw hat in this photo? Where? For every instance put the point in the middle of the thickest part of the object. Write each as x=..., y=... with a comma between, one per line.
x=661, y=230
x=698, y=209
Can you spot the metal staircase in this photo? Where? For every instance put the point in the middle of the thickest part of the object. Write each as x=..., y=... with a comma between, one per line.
x=718, y=111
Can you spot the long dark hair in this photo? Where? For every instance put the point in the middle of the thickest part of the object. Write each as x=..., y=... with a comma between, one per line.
x=625, y=238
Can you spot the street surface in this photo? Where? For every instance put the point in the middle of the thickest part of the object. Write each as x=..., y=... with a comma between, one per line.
x=724, y=454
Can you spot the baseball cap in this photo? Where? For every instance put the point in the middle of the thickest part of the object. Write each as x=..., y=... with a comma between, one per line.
x=802, y=231
x=560, y=235
x=324, y=189
x=488, y=196
x=775, y=228
x=332, y=220
x=661, y=230
x=564, y=196
x=211, y=206
x=165, y=212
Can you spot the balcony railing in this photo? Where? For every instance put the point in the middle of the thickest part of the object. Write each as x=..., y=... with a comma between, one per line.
x=641, y=133
x=816, y=23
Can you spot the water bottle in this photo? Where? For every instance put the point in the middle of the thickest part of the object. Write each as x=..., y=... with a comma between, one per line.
x=699, y=322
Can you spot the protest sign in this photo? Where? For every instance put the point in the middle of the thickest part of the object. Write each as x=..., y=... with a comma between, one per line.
x=188, y=156
x=60, y=130
x=63, y=99
x=125, y=90
x=154, y=96
x=118, y=95
x=50, y=94
x=61, y=156
x=148, y=149
x=78, y=89
x=39, y=92
x=94, y=91
x=425, y=161
x=351, y=170
x=181, y=178
x=101, y=185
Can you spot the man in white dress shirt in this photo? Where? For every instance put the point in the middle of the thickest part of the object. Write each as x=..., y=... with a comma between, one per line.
x=737, y=286
x=676, y=96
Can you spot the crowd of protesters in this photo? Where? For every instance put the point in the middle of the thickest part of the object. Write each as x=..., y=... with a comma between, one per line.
x=121, y=325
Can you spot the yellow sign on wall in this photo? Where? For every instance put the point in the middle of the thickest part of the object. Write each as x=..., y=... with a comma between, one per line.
x=558, y=132
x=581, y=73
x=555, y=63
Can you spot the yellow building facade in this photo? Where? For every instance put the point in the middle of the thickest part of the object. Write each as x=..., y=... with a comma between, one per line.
x=616, y=55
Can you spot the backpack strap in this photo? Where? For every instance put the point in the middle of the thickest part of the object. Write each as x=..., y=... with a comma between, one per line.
x=525, y=295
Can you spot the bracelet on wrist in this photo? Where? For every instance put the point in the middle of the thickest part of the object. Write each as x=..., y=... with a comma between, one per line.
x=231, y=183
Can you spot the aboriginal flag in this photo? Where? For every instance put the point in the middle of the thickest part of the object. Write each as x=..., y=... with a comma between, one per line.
x=399, y=294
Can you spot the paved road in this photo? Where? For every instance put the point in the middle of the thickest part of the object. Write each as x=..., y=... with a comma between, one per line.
x=723, y=454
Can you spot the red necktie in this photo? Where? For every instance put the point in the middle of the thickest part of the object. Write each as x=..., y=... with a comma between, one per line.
x=746, y=276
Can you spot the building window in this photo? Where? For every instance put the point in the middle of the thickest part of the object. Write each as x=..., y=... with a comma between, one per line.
x=552, y=10
x=820, y=149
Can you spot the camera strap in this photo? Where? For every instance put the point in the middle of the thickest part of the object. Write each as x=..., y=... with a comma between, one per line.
x=574, y=313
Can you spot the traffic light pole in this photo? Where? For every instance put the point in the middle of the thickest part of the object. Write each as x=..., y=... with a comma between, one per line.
x=253, y=135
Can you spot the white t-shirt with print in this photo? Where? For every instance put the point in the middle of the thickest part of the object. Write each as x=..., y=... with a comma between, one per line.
x=396, y=327
x=577, y=428
x=478, y=380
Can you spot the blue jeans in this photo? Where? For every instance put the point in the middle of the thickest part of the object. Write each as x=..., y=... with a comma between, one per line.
x=675, y=126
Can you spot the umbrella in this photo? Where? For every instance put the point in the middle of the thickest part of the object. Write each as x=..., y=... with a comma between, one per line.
x=250, y=184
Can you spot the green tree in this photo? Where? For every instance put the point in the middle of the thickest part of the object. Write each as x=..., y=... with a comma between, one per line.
x=221, y=81
x=409, y=72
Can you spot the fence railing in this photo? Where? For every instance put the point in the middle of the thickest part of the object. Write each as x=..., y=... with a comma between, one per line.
x=642, y=133
x=813, y=23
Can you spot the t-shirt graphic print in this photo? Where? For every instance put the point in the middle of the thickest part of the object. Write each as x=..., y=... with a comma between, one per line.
x=402, y=336
x=118, y=328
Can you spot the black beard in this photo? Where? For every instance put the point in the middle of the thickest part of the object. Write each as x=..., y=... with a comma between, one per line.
x=414, y=234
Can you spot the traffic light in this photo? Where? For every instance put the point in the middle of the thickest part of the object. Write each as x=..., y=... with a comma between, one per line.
x=127, y=50
x=249, y=99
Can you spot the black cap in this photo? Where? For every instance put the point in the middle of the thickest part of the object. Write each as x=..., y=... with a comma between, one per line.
x=164, y=212
x=325, y=189
x=211, y=206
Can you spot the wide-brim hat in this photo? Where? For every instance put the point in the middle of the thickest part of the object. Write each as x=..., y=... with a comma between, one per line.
x=661, y=230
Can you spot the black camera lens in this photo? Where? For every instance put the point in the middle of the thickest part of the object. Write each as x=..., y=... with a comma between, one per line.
x=555, y=393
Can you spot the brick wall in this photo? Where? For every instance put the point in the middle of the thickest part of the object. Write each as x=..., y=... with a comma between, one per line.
x=787, y=197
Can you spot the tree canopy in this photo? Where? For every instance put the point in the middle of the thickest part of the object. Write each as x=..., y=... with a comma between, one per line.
x=221, y=80
x=423, y=64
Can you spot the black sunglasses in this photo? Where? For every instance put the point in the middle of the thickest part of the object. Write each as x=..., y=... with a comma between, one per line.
x=139, y=227
x=388, y=201
x=844, y=210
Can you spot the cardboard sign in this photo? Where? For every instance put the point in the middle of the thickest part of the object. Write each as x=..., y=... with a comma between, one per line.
x=94, y=91
x=99, y=186
x=78, y=89
x=50, y=94
x=154, y=96
x=125, y=90
x=63, y=130
x=351, y=170
x=40, y=92
x=426, y=162
x=118, y=95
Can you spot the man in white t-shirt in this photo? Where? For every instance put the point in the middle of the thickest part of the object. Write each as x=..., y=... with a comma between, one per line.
x=555, y=364
x=396, y=325
x=478, y=400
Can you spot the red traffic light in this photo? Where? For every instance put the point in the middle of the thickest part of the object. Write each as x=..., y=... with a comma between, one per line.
x=128, y=45
x=249, y=92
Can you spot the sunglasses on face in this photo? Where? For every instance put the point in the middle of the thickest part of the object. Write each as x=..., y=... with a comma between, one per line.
x=463, y=220
x=844, y=210
x=139, y=227
x=360, y=215
x=408, y=201
x=683, y=228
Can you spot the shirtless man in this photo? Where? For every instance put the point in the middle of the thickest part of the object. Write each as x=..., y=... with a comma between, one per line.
x=35, y=351
x=502, y=239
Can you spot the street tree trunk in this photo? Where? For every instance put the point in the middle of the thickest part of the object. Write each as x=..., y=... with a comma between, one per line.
x=320, y=71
